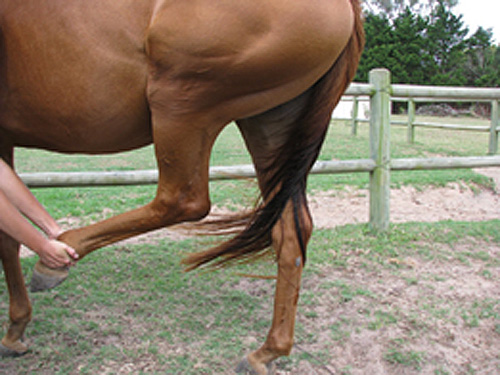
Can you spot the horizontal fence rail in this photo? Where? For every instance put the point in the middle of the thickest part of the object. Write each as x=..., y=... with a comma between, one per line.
x=150, y=177
x=379, y=165
x=219, y=173
x=442, y=92
x=415, y=93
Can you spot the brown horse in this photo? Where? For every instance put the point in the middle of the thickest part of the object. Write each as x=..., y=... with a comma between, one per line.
x=102, y=76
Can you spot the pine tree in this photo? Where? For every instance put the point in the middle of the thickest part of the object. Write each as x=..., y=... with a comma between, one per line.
x=445, y=39
x=431, y=49
x=397, y=46
x=409, y=46
x=482, y=65
x=378, y=46
x=392, y=8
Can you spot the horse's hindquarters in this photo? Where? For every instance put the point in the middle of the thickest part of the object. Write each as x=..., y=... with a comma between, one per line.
x=233, y=65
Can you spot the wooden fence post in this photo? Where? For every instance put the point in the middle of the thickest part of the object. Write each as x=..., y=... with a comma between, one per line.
x=354, y=113
x=380, y=149
x=493, y=148
x=411, y=120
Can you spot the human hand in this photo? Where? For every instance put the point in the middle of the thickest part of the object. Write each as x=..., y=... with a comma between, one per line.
x=57, y=254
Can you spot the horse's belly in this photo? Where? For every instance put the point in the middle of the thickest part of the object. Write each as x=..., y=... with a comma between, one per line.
x=113, y=132
x=79, y=115
x=75, y=75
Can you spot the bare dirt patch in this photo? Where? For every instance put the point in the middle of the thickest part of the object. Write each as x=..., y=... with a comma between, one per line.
x=421, y=317
x=454, y=202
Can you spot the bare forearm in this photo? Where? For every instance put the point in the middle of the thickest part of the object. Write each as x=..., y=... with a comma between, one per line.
x=51, y=252
x=22, y=199
x=16, y=226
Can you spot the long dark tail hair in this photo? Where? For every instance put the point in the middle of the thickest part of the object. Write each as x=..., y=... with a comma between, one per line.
x=286, y=176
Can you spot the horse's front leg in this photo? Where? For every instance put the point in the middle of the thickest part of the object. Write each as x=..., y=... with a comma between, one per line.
x=279, y=340
x=19, y=304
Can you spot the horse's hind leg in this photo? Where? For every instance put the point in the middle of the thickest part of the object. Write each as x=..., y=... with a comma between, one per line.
x=263, y=140
x=182, y=147
x=279, y=340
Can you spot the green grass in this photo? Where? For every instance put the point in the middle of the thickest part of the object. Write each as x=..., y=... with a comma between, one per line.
x=124, y=304
x=405, y=357
x=401, y=241
x=429, y=143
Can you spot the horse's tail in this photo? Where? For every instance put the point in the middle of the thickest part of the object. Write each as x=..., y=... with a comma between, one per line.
x=292, y=162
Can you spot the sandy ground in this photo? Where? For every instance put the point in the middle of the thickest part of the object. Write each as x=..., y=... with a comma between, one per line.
x=456, y=202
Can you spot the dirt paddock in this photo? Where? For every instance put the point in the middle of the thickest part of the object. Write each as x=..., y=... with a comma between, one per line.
x=456, y=202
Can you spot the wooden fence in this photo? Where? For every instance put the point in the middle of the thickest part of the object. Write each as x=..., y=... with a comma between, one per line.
x=450, y=94
x=379, y=165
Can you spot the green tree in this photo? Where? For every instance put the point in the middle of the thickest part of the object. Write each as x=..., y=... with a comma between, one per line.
x=378, y=46
x=392, y=8
x=432, y=49
x=445, y=41
x=482, y=63
x=409, y=47
x=397, y=46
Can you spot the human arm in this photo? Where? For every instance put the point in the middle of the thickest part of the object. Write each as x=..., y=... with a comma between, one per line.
x=52, y=253
x=16, y=200
x=22, y=199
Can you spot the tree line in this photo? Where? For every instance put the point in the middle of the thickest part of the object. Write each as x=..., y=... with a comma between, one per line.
x=431, y=49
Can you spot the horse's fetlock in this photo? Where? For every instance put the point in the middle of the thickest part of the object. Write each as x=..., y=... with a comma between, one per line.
x=20, y=316
x=280, y=346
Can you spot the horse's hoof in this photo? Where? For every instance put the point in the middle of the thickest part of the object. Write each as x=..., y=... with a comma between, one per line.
x=16, y=350
x=245, y=368
x=45, y=278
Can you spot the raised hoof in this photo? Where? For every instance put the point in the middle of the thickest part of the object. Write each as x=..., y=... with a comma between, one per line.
x=19, y=350
x=45, y=278
x=244, y=368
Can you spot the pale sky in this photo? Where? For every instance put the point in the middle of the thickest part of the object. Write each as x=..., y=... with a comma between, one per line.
x=485, y=13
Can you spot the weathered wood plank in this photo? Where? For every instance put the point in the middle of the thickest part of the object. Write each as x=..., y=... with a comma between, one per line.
x=493, y=144
x=380, y=149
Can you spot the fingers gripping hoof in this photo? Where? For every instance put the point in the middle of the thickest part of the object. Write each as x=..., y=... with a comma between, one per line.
x=16, y=349
x=45, y=278
x=245, y=368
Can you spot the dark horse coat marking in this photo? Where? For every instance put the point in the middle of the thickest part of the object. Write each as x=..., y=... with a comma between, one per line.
x=101, y=76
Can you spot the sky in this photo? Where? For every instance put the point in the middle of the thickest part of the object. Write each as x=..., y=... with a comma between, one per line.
x=485, y=13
